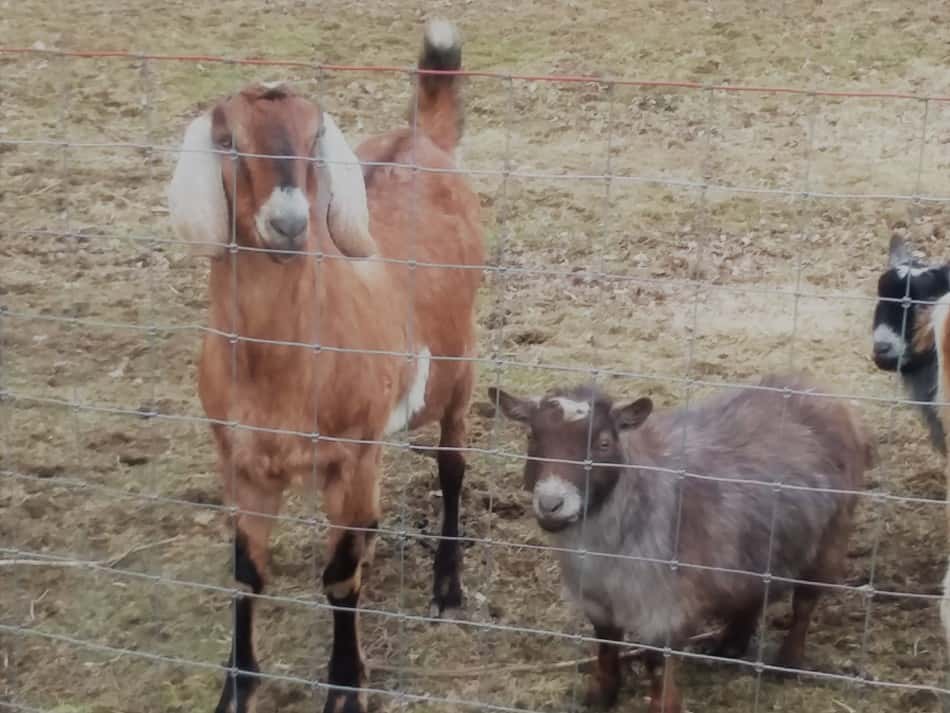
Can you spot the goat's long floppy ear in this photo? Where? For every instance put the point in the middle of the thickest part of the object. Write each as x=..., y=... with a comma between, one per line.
x=515, y=408
x=196, y=201
x=343, y=191
x=898, y=253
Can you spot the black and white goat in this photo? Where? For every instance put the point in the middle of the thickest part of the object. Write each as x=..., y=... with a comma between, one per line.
x=906, y=292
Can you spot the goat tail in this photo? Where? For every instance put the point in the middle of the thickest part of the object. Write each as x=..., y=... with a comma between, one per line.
x=436, y=106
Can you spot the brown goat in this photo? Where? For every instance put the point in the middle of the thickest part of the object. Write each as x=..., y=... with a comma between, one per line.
x=349, y=351
x=720, y=533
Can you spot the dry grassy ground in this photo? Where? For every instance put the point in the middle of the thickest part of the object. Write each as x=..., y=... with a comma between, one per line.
x=700, y=285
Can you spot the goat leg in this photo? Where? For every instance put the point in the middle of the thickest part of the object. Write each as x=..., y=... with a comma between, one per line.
x=664, y=696
x=447, y=567
x=351, y=496
x=250, y=562
x=605, y=681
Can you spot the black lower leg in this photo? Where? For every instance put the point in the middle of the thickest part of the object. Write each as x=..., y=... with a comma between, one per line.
x=341, y=580
x=447, y=568
x=239, y=687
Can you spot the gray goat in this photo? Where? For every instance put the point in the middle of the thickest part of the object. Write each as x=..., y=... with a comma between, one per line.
x=622, y=509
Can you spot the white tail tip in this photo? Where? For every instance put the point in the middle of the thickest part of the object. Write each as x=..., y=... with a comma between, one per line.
x=442, y=35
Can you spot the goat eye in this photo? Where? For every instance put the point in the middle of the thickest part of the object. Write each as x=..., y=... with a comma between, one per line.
x=225, y=143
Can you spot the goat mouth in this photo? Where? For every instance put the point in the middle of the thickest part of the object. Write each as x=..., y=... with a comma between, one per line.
x=554, y=525
x=887, y=363
x=279, y=253
x=282, y=257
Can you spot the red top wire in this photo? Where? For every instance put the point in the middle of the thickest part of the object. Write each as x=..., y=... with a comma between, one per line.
x=554, y=78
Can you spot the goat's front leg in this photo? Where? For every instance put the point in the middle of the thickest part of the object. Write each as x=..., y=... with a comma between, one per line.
x=664, y=696
x=352, y=502
x=605, y=683
x=251, y=536
x=447, y=568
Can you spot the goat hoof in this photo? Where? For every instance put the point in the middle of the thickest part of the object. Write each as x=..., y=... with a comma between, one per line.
x=438, y=610
x=601, y=697
x=726, y=649
x=237, y=695
x=786, y=660
x=447, y=599
x=345, y=702
x=657, y=706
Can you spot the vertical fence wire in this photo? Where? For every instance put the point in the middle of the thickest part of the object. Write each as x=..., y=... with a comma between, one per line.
x=152, y=482
x=497, y=275
x=317, y=547
x=688, y=378
x=238, y=592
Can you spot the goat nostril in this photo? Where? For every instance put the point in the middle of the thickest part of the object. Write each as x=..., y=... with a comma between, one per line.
x=289, y=226
x=882, y=347
x=551, y=504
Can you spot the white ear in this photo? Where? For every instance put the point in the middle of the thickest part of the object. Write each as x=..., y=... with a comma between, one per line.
x=344, y=193
x=196, y=202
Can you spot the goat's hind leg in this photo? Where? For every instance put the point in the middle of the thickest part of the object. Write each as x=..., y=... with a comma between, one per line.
x=252, y=533
x=737, y=634
x=447, y=567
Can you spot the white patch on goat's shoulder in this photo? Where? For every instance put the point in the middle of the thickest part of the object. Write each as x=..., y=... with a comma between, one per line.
x=556, y=488
x=282, y=204
x=572, y=410
x=442, y=35
x=414, y=399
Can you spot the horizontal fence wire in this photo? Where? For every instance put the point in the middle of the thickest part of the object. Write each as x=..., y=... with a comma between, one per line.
x=11, y=397
x=552, y=78
x=510, y=173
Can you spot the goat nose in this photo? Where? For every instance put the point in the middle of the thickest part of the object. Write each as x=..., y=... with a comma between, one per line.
x=550, y=503
x=881, y=348
x=289, y=226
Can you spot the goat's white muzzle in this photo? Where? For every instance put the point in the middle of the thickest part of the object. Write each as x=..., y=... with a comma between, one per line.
x=283, y=221
x=557, y=503
x=890, y=349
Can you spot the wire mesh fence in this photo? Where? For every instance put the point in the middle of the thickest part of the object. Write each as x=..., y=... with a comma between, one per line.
x=680, y=281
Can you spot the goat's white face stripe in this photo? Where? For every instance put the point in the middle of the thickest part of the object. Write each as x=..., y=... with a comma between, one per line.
x=572, y=410
x=283, y=203
x=904, y=270
x=554, y=487
x=414, y=399
x=883, y=334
